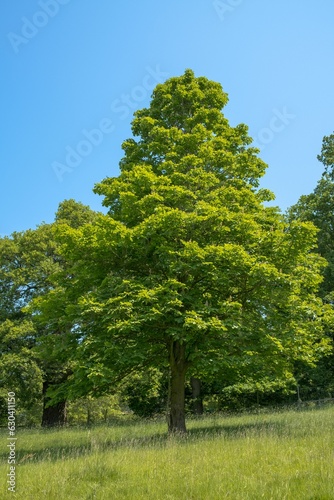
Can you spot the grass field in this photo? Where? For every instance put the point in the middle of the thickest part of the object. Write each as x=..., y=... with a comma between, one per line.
x=285, y=455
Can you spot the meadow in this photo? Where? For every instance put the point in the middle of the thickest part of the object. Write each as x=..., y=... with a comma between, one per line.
x=280, y=455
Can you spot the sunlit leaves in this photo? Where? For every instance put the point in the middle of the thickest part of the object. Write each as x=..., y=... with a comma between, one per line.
x=189, y=253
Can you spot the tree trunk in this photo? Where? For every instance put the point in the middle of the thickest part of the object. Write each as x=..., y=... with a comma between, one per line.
x=196, y=396
x=54, y=415
x=178, y=368
x=89, y=415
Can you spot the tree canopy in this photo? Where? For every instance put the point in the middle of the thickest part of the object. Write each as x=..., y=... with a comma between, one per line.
x=190, y=269
x=29, y=359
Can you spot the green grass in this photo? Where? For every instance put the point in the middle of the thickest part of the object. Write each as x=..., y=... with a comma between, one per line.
x=287, y=455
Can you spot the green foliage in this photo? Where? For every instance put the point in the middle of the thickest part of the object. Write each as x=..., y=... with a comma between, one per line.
x=145, y=393
x=252, y=394
x=26, y=263
x=30, y=356
x=89, y=410
x=327, y=154
x=189, y=268
x=318, y=207
x=74, y=214
x=19, y=371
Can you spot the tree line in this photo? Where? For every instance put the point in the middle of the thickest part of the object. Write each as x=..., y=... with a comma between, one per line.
x=191, y=286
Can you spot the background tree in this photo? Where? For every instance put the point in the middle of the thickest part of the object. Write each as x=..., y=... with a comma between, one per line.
x=318, y=207
x=189, y=269
x=26, y=262
x=58, y=333
x=327, y=154
x=90, y=411
x=145, y=392
x=20, y=371
x=28, y=363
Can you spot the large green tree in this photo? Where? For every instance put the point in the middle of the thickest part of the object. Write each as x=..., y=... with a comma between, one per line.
x=189, y=270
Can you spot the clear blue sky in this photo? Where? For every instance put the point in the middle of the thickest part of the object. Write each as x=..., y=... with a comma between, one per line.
x=71, y=66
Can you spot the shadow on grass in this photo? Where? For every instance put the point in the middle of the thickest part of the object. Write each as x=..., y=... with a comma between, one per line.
x=53, y=453
x=96, y=444
x=236, y=431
